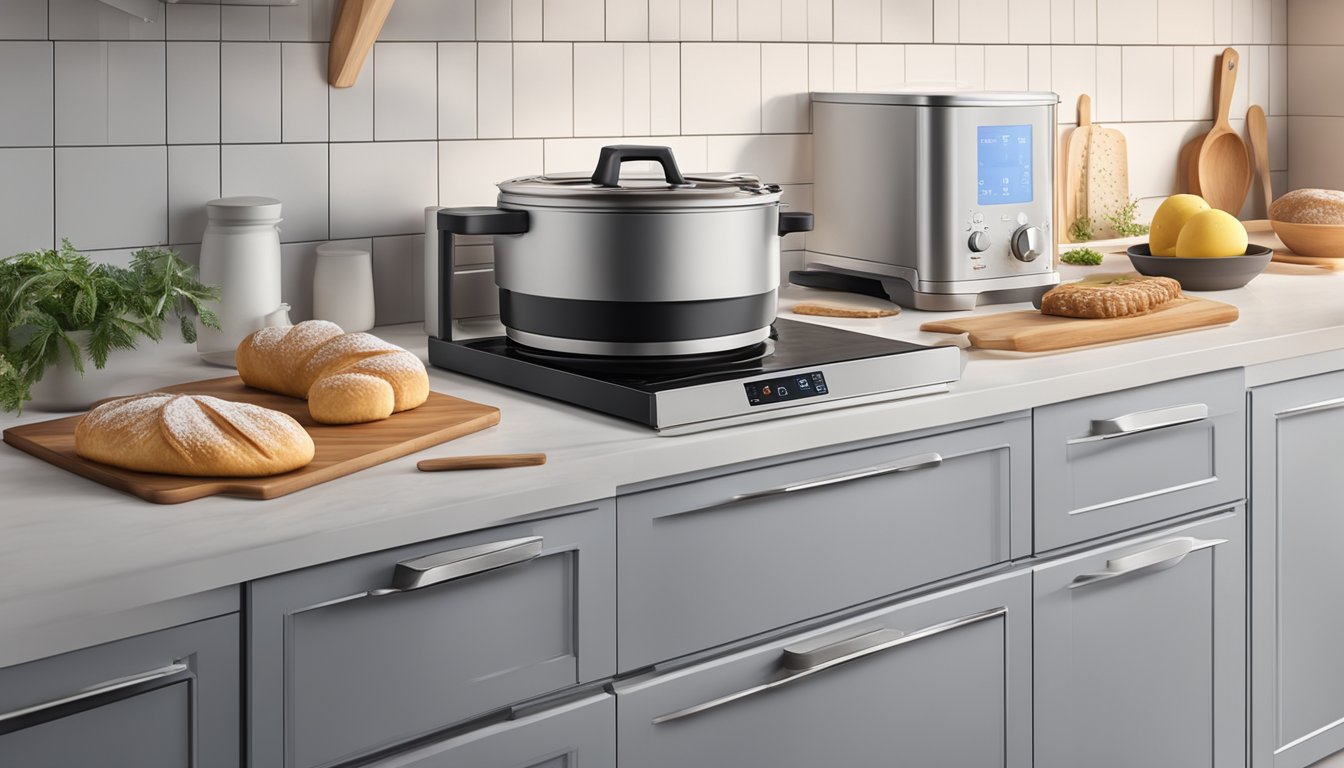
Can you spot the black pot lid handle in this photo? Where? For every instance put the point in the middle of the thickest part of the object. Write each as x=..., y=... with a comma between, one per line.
x=608, y=170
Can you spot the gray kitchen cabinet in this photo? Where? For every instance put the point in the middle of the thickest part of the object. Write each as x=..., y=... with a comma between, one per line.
x=1297, y=615
x=360, y=655
x=575, y=734
x=1120, y=460
x=712, y=561
x=1140, y=651
x=167, y=699
x=941, y=681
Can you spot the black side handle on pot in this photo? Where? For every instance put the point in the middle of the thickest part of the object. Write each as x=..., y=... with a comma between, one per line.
x=468, y=221
x=608, y=170
x=794, y=221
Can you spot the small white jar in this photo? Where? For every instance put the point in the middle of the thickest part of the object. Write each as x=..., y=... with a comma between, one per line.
x=343, y=287
x=240, y=253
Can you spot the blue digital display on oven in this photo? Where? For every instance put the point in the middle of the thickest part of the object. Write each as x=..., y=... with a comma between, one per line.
x=1004, y=164
x=786, y=388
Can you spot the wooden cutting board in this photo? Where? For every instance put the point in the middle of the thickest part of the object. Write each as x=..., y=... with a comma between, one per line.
x=1031, y=331
x=341, y=450
x=1095, y=175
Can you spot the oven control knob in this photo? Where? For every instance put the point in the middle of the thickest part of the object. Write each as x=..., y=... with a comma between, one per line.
x=1028, y=243
x=979, y=242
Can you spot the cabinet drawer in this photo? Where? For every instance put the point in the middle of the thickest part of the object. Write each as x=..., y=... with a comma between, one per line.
x=953, y=690
x=579, y=734
x=717, y=560
x=342, y=663
x=168, y=699
x=1116, y=461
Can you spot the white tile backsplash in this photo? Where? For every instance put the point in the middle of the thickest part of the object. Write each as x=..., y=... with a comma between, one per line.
x=1147, y=84
x=494, y=90
x=397, y=263
x=543, y=89
x=665, y=88
x=112, y=197
x=721, y=88
x=26, y=98
x=573, y=19
x=135, y=93
x=923, y=64
x=527, y=16
x=599, y=89
x=237, y=22
x=193, y=92
x=382, y=188
x=469, y=170
x=457, y=90
x=430, y=20
x=405, y=91
x=1127, y=22
x=858, y=21
x=725, y=20
x=635, y=84
x=494, y=20
x=294, y=174
x=1006, y=70
x=764, y=20
x=193, y=181
x=304, y=112
x=1185, y=22
x=350, y=110
x=983, y=21
x=27, y=219
x=249, y=92
x=627, y=19
x=876, y=68
x=23, y=19
x=784, y=93
x=81, y=93
x=907, y=21
x=664, y=19
x=697, y=19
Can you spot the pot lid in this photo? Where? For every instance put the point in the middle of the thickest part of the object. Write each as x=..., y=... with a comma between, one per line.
x=915, y=97
x=605, y=187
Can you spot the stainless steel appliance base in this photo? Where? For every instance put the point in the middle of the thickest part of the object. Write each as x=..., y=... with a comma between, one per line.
x=962, y=295
x=901, y=293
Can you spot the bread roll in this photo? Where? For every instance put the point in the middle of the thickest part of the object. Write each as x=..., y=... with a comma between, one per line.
x=1110, y=296
x=192, y=435
x=1309, y=206
x=347, y=378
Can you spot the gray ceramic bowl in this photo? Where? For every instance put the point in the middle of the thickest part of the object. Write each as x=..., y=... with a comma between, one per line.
x=1203, y=274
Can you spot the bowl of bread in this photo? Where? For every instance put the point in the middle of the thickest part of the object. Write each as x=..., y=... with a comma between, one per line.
x=1310, y=222
x=1202, y=248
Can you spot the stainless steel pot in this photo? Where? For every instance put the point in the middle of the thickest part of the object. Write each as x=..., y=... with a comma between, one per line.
x=667, y=265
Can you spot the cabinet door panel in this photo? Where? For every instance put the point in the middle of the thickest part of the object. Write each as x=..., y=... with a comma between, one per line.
x=1297, y=522
x=1143, y=665
x=151, y=730
x=953, y=695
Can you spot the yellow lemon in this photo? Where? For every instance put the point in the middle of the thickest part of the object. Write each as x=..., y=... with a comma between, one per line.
x=1170, y=218
x=1211, y=234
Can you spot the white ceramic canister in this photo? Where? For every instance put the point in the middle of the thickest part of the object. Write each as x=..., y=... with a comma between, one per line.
x=343, y=286
x=240, y=253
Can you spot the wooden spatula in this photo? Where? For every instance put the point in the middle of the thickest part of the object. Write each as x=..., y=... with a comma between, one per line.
x=1224, y=164
x=1258, y=127
x=497, y=461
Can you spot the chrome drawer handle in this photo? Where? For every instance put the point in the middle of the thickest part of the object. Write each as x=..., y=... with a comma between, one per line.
x=909, y=464
x=428, y=570
x=1324, y=405
x=101, y=689
x=814, y=660
x=1143, y=421
x=1164, y=555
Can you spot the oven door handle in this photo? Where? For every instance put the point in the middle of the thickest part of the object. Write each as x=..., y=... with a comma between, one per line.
x=799, y=663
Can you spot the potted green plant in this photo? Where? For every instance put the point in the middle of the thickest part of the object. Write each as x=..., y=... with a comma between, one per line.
x=56, y=306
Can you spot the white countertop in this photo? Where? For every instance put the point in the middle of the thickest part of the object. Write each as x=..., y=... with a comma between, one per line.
x=71, y=549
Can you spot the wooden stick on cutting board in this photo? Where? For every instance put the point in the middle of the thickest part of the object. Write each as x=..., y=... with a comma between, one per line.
x=497, y=461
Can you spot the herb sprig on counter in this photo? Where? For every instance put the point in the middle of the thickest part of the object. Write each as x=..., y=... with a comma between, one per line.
x=1081, y=256
x=46, y=295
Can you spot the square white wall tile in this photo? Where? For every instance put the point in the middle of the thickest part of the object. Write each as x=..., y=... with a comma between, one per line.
x=1183, y=83
x=112, y=197
x=1278, y=79
x=1039, y=67
x=1278, y=143
x=294, y=174
x=457, y=90
x=405, y=91
x=494, y=90
x=946, y=21
x=985, y=21
x=23, y=19
x=431, y=20
x=397, y=294
x=297, y=261
x=697, y=20
x=627, y=19
x=244, y=23
x=664, y=19
x=721, y=88
x=820, y=67
x=1073, y=72
x=1243, y=14
x=135, y=93
x=820, y=21
x=92, y=20
x=971, y=66
x=249, y=92
x=1313, y=87
x=880, y=67
x=858, y=21
x=350, y=109
x=1262, y=20
x=1029, y=21
x=784, y=93
x=469, y=170
x=1185, y=22
x=724, y=20
x=193, y=181
x=923, y=64
x=572, y=155
x=781, y=159
x=599, y=89
x=573, y=19
x=1085, y=21
x=193, y=92
x=1109, y=101
x=383, y=188
x=494, y=20
x=1062, y=28
x=763, y=20
x=27, y=221
x=1256, y=72
x=306, y=21
x=1126, y=22
x=907, y=21
x=1278, y=22
x=26, y=96
x=304, y=112
x=1153, y=148
x=664, y=88
x=527, y=16
x=1147, y=84
x=635, y=104
x=1006, y=70
x=846, y=68
x=81, y=92
x=1222, y=22
x=543, y=89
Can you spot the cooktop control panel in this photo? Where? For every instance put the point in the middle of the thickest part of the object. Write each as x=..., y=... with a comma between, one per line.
x=786, y=388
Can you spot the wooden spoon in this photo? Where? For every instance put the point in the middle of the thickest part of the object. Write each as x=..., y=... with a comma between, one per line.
x=1224, y=164
x=1258, y=127
x=497, y=461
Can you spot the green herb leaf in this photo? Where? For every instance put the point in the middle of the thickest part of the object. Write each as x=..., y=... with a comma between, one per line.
x=1082, y=256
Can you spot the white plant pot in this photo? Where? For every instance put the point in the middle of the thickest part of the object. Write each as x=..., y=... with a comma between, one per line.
x=62, y=388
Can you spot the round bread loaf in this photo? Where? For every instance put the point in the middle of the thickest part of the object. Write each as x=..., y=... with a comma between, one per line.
x=1112, y=296
x=1309, y=206
x=193, y=435
x=347, y=378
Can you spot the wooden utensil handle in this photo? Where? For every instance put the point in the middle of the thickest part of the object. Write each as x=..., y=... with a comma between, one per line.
x=1227, y=83
x=1084, y=110
x=498, y=461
